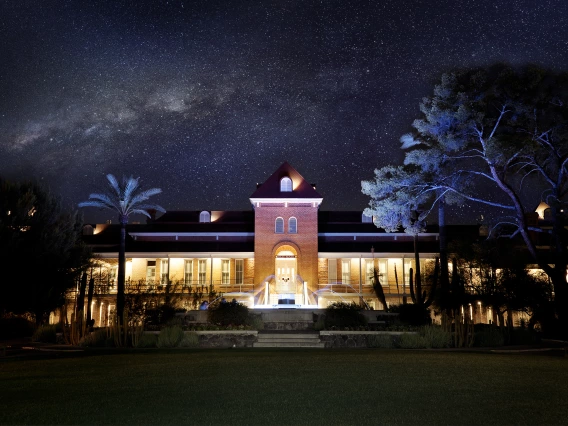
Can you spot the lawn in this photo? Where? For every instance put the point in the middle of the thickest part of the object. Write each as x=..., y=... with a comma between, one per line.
x=296, y=387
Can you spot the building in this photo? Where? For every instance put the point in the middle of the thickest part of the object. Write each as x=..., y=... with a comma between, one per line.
x=284, y=252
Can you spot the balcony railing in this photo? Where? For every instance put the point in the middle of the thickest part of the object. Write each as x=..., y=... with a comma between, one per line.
x=366, y=288
x=177, y=287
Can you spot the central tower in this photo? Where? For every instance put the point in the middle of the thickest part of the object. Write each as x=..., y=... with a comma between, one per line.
x=286, y=235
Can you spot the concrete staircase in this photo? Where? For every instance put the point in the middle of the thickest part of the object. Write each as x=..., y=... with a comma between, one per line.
x=288, y=340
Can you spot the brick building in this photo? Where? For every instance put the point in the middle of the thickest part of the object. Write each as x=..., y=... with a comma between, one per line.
x=284, y=252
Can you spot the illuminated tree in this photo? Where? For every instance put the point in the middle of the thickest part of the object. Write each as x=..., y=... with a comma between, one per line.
x=125, y=200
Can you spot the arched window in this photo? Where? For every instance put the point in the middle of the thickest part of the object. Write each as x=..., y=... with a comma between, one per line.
x=279, y=225
x=366, y=219
x=204, y=216
x=285, y=184
x=292, y=225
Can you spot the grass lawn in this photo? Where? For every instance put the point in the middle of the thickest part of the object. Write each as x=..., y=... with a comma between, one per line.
x=331, y=387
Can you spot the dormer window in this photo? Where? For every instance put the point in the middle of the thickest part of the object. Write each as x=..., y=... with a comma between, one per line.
x=204, y=217
x=366, y=219
x=285, y=184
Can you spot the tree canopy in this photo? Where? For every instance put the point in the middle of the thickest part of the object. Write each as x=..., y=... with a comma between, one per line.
x=41, y=252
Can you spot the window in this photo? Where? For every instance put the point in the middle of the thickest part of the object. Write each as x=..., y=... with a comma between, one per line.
x=164, y=271
x=225, y=275
x=279, y=226
x=366, y=219
x=188, y=272
x=151, y=271
x=346, y=271
x=285, y=184
x=292, y=225
x=202, y=271
x=112, y=274
x=204, y=217
x=331, y=271
x=369, y=271
x=239, y=271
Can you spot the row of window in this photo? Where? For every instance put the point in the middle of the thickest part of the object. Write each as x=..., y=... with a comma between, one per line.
x=369, y=271
x=292, y=225
x=201, y=278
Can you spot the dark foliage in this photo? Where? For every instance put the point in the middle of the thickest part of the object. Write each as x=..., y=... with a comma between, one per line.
x=225, y=313
x=341, y=315
x=411, y=314
x=14, y=327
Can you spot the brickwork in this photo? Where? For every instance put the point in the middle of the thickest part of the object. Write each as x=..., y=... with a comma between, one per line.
x=267, y=241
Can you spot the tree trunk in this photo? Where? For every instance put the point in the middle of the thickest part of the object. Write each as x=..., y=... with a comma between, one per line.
x=121, y=269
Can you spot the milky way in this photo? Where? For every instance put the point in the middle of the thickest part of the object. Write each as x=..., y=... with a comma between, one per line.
x=206, y=98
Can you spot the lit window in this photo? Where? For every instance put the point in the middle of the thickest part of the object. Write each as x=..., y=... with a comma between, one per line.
x=202, y=271
x=331, y=271
x=151, y=271
x=164, y=271
x=279, y=226
x=370, y=271
x=225, y=271
x=346, y=271
x=239, y=271
x=285, y=184
x=188, y=272
x=366, y=219
x=292, y=225
x=204, y=217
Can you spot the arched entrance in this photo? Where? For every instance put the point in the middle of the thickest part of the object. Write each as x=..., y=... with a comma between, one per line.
x=285, y=272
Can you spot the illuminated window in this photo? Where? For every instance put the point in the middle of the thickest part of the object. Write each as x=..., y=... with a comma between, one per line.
x=369, y=271
x=151, y=271
x=292, y=225
x=202, y=271
x=346, y=271
x=285, y=184
x=331, y=271
x=204, y=217
x=279, y=225
x=164, y=271
x=239, y=271
x=366, y=219
x=188, y=271
x=225, y=275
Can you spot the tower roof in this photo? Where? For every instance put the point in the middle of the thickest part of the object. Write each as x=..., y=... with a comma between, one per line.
x=271, y=187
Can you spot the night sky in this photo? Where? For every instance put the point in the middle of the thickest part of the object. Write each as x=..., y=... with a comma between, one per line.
x=206, y=98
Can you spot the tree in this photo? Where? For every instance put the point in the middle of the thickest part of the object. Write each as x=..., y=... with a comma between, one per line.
x=125, y=200
x=41, y=250
x=495, y=133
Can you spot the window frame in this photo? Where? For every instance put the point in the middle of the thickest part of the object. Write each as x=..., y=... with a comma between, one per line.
x=278, y=220
x=204, y=217
x=286, y=184
x=295, y=221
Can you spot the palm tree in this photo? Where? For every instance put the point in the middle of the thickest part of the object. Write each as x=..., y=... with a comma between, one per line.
x=124, y=200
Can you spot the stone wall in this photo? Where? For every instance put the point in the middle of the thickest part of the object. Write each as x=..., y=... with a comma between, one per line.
x=226, y=339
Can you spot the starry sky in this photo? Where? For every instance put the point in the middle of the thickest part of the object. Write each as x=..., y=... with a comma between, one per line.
x=205, y=98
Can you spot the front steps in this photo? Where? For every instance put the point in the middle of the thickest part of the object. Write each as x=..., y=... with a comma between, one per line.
x=288, y=340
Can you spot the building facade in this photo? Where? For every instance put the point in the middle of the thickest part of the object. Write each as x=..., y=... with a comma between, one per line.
x=284, y=252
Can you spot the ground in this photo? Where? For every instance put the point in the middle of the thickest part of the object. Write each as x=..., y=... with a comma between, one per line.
x=254, y=386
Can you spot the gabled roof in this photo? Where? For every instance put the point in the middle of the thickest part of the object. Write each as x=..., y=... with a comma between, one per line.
x=271, y=187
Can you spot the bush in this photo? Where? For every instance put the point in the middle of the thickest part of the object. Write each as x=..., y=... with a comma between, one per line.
x=489, y=336
x=435, y=337
x=159, y=316
x=170, y=337
x=97, y=339
x=147, y=340
x=190, y=340
x=384, y=341
x=14, y=327
x=224, y=314
x=342, y=315
x=45, y=334
x=255, y=321
x=411, y=341
x=412, y=314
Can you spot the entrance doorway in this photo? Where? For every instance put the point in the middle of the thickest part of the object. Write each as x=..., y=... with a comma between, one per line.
x=285, y=267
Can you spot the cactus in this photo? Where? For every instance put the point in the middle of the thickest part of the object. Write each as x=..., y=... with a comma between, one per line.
x=419, y=296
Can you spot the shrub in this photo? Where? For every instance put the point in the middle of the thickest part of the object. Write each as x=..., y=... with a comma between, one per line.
x=412, y=314
x=159, y=316
x=147, y=340
x=342, y=315
x=489, y=336
x=45, y=334
x=435, y=337
x=384, y=341
x=411, y=341
x=96, y=339
x=523, y=336
x=223, y=313
x=255, y=321
x=190, y=340
x=170, y=337
x=13, y=327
